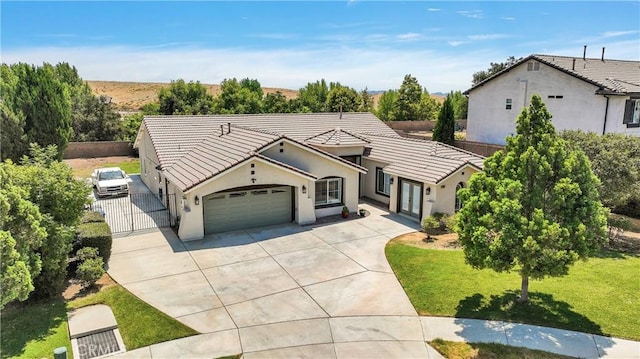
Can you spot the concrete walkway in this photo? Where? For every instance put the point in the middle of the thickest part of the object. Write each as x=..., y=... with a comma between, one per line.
x=322, y=291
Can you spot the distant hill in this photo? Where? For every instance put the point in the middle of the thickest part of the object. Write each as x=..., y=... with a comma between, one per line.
x=130, y=96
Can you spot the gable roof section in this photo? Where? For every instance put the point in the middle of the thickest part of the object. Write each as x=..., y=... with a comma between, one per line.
x=216, y=153
x=337, y=137
x=616, y=77
x=420, y=160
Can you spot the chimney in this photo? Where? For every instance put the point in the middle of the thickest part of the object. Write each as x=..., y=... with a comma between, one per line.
x=228, y=127
x=221, y=129
x=573, y=67
x=602, y=54
x=584, y=53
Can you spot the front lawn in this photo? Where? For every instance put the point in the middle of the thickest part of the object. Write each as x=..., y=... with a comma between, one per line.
x=598, y=296
x=140, y=324
x=460, y=350
x=34, y=330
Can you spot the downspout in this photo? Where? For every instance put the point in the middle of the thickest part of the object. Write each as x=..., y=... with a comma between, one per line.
x=606, y=112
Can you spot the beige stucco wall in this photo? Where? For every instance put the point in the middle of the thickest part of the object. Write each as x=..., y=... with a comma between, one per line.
x=369, y=181
x=322, y=167
x=342, y=150
x=192, y=217
x=615, y=116
x=443, y=195
x=148, y=162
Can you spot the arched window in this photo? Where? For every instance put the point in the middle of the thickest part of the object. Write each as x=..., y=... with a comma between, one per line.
x=458, y=204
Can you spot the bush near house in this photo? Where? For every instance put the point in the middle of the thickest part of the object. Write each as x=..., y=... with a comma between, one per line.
x=95, y=234
x=91, y=267
x=439, y=223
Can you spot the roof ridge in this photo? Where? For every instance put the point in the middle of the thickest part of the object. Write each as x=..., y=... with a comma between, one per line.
x=586, y=58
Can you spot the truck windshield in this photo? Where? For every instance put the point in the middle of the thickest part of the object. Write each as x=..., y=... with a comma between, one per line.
x=110, y=175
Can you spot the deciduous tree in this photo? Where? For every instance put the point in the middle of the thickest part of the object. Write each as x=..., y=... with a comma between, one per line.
x=342, y=98
x=182, y=98
x=535, y=208
x=493, y=69
x=386, y=105
x=239, y=97
x=407, y=106
x=275, y=102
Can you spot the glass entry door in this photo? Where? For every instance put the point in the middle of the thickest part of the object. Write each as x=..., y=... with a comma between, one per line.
x=410, y=198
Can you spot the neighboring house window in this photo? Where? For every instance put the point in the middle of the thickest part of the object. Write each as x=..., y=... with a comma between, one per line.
x=458, y=204
x=329, y=191
x=533, y=66
x=383, y=182
x=632, y=113
x=508, y=104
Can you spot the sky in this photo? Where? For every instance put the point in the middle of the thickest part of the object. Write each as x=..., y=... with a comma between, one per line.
x=370, y=44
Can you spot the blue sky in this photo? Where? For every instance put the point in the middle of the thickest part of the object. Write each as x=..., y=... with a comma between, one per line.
x=287, y=44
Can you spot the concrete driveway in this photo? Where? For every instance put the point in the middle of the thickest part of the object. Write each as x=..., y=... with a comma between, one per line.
x=323, y=291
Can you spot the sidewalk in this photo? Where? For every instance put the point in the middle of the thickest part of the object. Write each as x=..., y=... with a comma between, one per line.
x=382, y=337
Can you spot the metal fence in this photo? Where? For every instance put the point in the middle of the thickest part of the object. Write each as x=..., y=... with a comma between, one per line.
x=137, y=211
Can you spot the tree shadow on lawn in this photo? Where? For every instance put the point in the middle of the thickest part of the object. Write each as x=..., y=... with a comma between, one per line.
x=541, y=310
x=30, y=321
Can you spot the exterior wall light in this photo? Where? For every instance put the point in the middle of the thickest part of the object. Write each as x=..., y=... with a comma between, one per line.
x=390, y=180
x=196, y=201
x=304, y=189
x=427, y=191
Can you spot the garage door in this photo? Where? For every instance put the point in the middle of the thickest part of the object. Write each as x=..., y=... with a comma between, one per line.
x=248, y=208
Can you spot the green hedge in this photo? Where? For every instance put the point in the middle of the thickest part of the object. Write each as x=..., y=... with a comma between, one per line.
x=95, y=234
x=92, y=217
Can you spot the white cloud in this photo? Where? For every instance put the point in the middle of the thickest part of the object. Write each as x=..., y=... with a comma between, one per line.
x=433, y=9
x=377, y=69
x=457, y=43
x=473, y=14
x=409, y=36
x=508, y=18
x=618, y=33
x=274, y=36
x=488, y=37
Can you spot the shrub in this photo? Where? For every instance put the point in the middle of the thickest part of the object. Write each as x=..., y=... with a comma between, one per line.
x=449, y=222
x=87, y=253
x=90, y=270
x=95, y=234
x=431, y=225
x=92, y=217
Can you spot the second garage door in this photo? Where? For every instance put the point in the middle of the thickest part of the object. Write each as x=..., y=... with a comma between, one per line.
x=248, y=208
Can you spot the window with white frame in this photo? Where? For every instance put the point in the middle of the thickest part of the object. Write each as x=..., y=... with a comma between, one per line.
x=533, y=66
x=632, y=113
x=508, y=104
x=383, y=182
x=329, y=191
x=458, y=204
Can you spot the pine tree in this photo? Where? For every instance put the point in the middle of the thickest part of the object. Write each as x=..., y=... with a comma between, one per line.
x=445, y=126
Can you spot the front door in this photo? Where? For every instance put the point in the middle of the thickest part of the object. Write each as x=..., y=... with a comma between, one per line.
x=410, y=198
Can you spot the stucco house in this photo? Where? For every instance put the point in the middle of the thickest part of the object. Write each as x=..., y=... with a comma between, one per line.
x=223, y=173
x=592, y=95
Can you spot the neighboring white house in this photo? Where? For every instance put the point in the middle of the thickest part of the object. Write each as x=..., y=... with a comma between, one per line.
x=592, y=95
x=223, y=173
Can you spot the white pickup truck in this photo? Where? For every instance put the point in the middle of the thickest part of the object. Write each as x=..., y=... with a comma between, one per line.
x=110, y=181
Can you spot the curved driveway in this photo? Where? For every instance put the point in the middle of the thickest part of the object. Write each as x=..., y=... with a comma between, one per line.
x=322, y=291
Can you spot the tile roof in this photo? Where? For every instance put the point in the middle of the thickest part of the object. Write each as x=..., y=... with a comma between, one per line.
x=191, y=149
x=337, y=137
x=611, y=76
x=420, y=160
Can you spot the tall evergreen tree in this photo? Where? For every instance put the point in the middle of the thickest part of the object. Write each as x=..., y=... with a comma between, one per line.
x=407, y=106
x=445, y=126
x=535, y=208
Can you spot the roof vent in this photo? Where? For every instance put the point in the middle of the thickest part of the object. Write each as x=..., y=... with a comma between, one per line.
x=573, y=67
x=603, y=54
x=341, y=112
x=584, y=53
x=221, y=130
x=228, y=127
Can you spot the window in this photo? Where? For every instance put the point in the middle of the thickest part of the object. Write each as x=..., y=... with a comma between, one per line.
x=508, y=104
x=329, y=191
x=458, y=204
x=383, y=182
x=632, y=113
x=533, y=66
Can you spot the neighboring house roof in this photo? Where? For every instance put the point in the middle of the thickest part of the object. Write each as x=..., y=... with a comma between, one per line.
x=618, y=77
x=420, y=160
x=337, y=137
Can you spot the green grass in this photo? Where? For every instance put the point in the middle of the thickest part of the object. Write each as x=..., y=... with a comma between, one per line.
x=34, y=330
x=130, y=166
x=460, y=350
x=140, y=324
x=599, y=296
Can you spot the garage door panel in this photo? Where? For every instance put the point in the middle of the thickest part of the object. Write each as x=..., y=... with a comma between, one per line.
x=247, y=209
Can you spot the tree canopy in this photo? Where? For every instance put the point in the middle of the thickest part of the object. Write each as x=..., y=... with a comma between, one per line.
x=444, y=130
x=493, y=69
x=535, y=208
x=182, y=98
